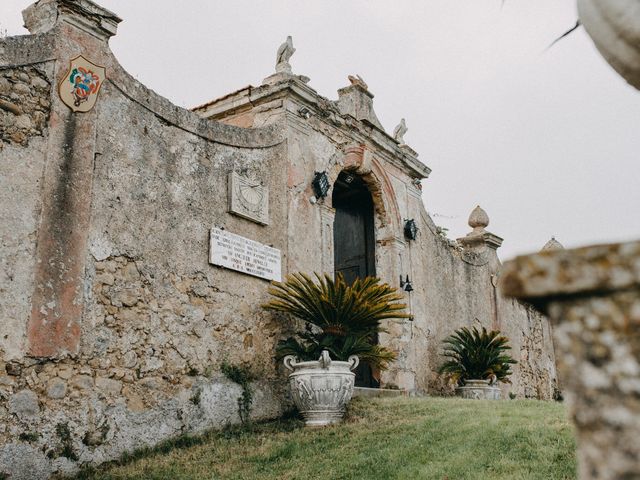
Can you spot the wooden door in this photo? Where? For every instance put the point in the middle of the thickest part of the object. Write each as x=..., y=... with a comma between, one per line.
x=354, y=242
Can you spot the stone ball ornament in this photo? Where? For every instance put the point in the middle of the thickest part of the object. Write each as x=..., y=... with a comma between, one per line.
x=614, y=27
x=478, y=218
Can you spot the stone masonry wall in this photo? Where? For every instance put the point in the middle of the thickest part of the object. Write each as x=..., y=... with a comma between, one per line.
x=592, y=295
x=115, y=325
x=24, y=110
x=105, y=238
x=458, y=291
x=24, y=104
x=453, y=287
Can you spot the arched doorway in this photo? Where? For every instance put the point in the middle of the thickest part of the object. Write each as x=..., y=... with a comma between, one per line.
x=354, y=242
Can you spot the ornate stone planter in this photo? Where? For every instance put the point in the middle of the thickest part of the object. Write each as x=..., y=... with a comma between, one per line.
x=479, y=390
x=321, y=389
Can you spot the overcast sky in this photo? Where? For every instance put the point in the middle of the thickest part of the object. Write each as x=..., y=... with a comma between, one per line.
x=547, y=142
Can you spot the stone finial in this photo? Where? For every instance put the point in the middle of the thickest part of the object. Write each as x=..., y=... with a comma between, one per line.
x=478, y=220
x=552, y=244
x=399, y=131
x=358, y=80
x=479, y=237
x=82, y=14
x=285, y=52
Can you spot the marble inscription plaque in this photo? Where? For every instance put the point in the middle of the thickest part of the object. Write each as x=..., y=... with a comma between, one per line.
x=248, y=198
x=244, y=255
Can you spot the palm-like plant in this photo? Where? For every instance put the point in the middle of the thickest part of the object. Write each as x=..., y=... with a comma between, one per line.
x=341, y=318
x=475, y=355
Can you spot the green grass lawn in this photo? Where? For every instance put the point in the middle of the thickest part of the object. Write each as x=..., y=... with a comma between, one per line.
x=393, y=438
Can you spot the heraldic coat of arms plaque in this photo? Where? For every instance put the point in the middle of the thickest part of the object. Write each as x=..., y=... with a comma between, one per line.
x=80, y=86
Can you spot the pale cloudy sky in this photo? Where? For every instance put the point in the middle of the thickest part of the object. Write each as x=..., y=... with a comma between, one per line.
x=547, y=142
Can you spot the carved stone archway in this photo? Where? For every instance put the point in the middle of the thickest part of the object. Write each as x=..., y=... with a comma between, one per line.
x=359, y=160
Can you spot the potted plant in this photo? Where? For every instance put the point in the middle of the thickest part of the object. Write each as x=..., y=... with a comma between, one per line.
x=477, y=360
x=341, y=325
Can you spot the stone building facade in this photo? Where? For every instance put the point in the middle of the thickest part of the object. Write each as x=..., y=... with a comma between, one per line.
x=115, y=313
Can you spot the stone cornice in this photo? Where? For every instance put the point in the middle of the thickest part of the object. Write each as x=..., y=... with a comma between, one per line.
x=324, y=110
x=83, y=14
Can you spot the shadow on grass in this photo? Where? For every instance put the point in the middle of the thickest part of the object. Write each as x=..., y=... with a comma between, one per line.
x=289, y=422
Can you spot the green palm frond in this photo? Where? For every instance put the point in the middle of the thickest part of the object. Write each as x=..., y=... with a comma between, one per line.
x=328, y=304
x=348, y=316
x=474, y=354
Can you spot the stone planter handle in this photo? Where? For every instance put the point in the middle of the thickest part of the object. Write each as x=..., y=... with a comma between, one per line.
x=290, y=361
x=354, y=361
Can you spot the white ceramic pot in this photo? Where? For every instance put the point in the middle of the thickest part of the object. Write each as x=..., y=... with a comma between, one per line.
x=614, y=26
x=479, y=390
x=321, y=389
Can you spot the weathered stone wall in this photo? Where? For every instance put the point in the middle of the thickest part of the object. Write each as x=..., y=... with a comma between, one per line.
x=24, y=109
x=24, y=104
x=460, y=290
x=453, y=286
x=592, y=295
x=114, y=324
x=105, y=230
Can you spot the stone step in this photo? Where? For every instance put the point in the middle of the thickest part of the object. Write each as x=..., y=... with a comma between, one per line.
x=379, y=392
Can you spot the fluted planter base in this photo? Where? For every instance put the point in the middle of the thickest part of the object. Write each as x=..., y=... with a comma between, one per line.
x=321, y=389
x=478, y=390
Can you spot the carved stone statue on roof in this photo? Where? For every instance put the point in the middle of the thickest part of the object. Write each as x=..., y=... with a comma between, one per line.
x=285, y=52
x=399, y=131
x=358, y=80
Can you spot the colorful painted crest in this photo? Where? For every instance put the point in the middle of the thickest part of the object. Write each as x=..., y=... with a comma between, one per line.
x=80, y=86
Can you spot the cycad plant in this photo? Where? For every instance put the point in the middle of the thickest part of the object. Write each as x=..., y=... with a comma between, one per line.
x=341, y=318
x=476, y=355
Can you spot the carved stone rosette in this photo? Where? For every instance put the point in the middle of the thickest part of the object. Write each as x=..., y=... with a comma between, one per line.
x=478, y=390
x=321, y=389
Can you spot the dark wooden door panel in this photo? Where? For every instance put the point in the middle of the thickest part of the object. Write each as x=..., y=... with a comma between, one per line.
x=350, y=273
x=353, y=244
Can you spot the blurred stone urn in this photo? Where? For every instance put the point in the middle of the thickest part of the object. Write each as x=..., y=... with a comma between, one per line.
x=479, y=390
x=614, y=26
x=321, y=389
